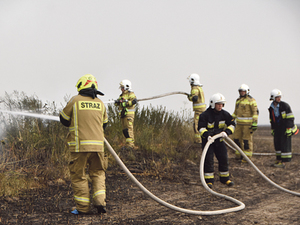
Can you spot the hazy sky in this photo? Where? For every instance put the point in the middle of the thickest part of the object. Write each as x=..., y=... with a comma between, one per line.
x=46, y=46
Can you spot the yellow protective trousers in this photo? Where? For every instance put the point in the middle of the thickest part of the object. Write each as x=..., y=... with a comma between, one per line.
x=97, y=165
x=197, y=135
x=127, y=128
x=243, y=138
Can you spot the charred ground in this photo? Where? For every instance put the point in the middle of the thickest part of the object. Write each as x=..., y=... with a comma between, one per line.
x=179, y=184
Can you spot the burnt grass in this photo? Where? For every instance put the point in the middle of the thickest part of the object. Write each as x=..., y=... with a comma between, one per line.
x=179, y=185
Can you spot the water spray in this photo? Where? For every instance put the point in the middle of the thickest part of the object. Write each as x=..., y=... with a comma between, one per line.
x=36, y=115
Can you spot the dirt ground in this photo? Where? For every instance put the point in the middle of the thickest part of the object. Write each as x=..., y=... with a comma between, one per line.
x=127, y=204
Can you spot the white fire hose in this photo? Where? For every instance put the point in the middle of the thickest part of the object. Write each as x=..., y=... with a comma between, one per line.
x=259, y=153
x=173, y=207
x=196, y=212
x=257, y=170
x=154, y=97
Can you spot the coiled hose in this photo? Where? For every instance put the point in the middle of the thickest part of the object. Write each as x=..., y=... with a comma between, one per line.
x=173, y=207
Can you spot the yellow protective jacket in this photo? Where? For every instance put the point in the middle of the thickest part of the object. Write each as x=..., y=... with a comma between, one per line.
x=86, y=116
x=129, y=105
x=197, y=97
x=246, y=112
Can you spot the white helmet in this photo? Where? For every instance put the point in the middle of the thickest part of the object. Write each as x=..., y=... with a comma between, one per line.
x=194, y=79
x=216, y=98
x=126, y=84
x=245, y=87
x=275, y=93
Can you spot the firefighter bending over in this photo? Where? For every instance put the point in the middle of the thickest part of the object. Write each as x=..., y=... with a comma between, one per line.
x=126, y=103
x=197, y=97
x=246, y=116
x=213, y=121
x=86, y=117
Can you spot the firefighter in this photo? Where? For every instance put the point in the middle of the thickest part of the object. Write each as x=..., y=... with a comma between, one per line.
x=86, y=117
x=197, y=97
x=213, y=121
x=246, y=116
x=126, y=103
x=283, y=127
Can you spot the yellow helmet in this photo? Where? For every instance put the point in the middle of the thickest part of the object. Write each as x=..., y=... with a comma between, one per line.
x=87, y=81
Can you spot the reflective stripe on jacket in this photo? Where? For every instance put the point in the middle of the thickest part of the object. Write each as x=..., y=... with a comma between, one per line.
x=198, y=105
x=286, y=117
x=86, y=116
x=212, y=122
x=130, y=96
x=246, y=111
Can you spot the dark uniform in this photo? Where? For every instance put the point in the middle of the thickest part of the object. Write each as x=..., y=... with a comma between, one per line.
x=279, y=125
x=211, y=123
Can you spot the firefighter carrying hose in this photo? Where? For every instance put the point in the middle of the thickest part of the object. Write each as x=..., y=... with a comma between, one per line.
x=126, y=103
x=197, y=97
x=213, y=121
x=246, y=116
x=86, y=117
x=283, y=127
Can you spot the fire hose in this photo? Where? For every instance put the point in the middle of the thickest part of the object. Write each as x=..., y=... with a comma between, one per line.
x=257, y=170
x=259, y=153
x=173, y=207
x=154, y=97
x=196, y=212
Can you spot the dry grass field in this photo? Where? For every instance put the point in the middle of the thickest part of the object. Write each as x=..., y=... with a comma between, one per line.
x=179, y=184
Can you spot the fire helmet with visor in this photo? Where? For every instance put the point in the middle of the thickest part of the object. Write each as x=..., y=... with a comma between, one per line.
x=216, y=98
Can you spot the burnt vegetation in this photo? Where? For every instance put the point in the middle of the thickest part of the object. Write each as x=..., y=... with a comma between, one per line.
x=35, y=186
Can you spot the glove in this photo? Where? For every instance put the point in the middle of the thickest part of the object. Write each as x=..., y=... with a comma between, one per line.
x=134, y=101
x=210, y=138
x=117, y=101
x=253, y=127
x=224, y=135
x=288, y=132
x=124, y=102
x=272, y=132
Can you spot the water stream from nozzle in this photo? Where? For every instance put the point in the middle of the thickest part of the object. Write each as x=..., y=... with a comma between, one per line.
x=36, y=115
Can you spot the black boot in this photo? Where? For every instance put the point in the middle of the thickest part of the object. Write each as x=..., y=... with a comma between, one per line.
x=101, y=209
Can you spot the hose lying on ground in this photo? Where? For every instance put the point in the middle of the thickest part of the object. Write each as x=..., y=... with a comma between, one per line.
x=173, y=207
x=259, y=153
x=257, y=170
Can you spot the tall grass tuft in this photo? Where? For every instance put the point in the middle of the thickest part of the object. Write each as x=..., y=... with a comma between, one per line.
x=31, y=147
x=33, y=151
